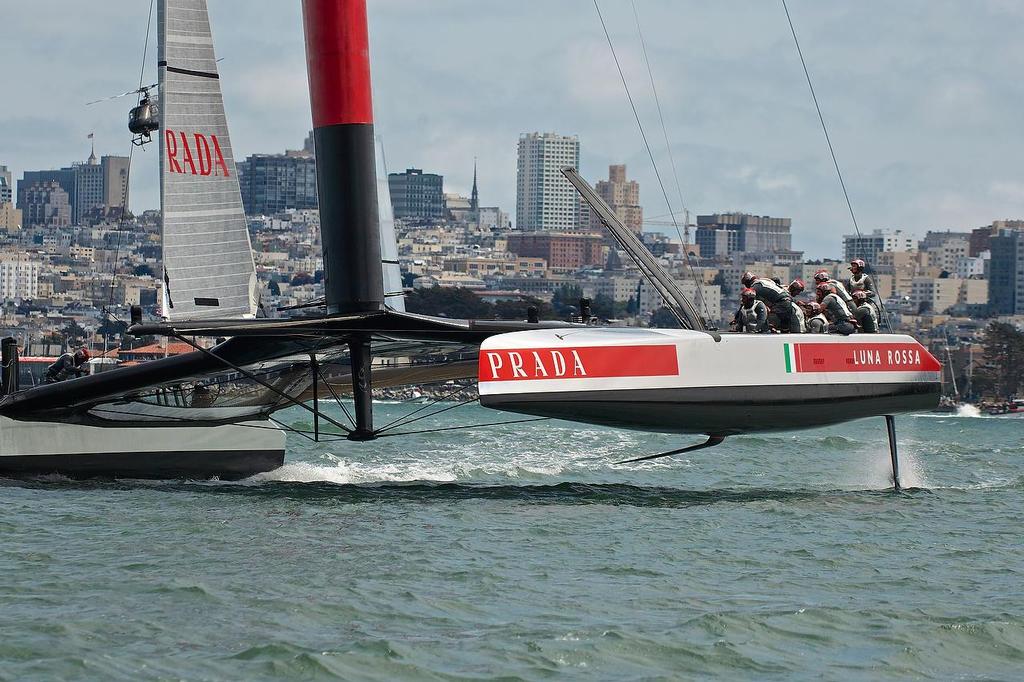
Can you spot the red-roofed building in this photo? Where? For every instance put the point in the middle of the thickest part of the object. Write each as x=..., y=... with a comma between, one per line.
x=154, y=351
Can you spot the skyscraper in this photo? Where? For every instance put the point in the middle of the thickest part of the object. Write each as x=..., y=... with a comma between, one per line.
x=46, y=205
x=6, y=186
x=1006, y=281
x=724, y=234
x=271, y=183
x=622, y=196
x=417, y=196
x=94, y=184
x=544, y=198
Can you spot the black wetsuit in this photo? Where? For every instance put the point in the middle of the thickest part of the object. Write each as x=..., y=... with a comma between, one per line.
x=867, y=317
x=63, y=368
x=781, y=303
x=836, y=308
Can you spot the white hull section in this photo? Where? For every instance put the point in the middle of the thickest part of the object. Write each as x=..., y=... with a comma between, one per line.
x=687, y=382
x=227, y=451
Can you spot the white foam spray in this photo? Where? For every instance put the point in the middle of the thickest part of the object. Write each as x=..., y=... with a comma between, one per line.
x=968, y=410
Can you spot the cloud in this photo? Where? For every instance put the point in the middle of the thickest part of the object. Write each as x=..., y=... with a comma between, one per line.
x=921, y=97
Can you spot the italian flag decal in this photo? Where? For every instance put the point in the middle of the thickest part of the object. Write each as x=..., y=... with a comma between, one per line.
x=858, y=357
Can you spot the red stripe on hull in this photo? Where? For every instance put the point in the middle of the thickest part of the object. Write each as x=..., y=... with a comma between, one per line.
x=588, y=362
x=864, y=357
x=338, y=61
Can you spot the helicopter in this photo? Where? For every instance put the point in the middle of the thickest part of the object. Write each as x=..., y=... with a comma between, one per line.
x=143, y=118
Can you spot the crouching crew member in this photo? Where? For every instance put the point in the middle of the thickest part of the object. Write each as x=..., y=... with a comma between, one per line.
x=865, y=312
x=67, y=366
x=822, y=277
x=752, y=317
x=817, y=323
x=776, y=298
x=835, y=308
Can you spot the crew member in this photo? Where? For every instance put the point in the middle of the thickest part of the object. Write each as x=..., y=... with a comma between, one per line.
x=67, y=366
x=796, y=287
x=776, y=298
x=822, y=277
x=865, y=312
x=835, y=308
x=860, y=280
x=752, y=317
x=817, y=323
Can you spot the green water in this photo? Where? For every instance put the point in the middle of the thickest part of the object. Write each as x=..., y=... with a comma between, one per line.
x=523, y=552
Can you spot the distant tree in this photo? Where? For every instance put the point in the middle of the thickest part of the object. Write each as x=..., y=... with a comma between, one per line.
x=407, y=279
x=566, y=300
x=1002, y=373
x=74, y=334
x=274, y=288
x=112, y=328
x=449, y=302
x=143, y=270
x=516, y=310
x=302, y=278
x=607, y=308
x=664, y=318
x=631, y=306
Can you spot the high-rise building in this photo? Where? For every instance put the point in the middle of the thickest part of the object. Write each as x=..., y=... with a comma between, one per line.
x=724, y=234
x=545, y=200
x=10, y=217
x=271, y=183
x=868, y=246
x=88, y=193
x=115, y=181
x=46, y=204
x=417, y=196
x=6, y=186
x=565, y=251
x=1006, y=273
x=97, y=183
x=19, y=277
x=622, y=196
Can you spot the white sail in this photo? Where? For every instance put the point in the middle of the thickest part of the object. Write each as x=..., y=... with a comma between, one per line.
x=207, y=256
x=394, y=298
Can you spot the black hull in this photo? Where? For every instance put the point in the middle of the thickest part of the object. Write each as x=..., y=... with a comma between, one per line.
x=226, y=465
x=724, y=411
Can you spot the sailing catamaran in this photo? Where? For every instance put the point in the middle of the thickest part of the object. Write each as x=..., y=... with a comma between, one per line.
x=208, y=271
x=692, y=380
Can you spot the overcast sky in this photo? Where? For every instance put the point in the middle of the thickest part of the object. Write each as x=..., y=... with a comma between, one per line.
x=923, y=97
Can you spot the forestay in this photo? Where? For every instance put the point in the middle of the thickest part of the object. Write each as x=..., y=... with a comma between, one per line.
x=207, y=256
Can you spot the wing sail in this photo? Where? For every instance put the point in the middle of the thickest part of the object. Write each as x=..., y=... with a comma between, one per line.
x=207, y=257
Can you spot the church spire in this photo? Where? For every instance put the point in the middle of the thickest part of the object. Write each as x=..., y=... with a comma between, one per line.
x=474, y=198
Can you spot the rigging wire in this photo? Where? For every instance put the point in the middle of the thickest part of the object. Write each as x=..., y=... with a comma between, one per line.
x=828, y=140
x=650, y=153
x=661, y=117
x=127, y=183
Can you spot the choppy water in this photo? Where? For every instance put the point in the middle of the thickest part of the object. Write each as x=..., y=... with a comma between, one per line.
x=523, y=552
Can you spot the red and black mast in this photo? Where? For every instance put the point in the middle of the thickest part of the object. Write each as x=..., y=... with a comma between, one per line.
x=338, y=64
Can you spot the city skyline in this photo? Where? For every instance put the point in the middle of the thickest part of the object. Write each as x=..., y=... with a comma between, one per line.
x=922, y=121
